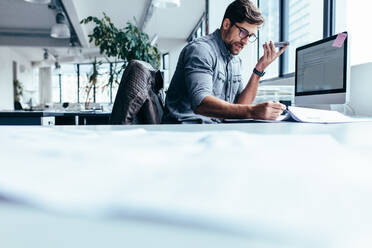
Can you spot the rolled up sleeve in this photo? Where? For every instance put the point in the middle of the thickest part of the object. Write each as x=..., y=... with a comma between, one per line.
x=198, y=64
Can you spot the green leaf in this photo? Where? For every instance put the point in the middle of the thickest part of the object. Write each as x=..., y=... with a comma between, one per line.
x=125, y=43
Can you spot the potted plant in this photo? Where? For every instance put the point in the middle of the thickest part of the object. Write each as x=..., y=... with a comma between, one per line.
x=122, y=44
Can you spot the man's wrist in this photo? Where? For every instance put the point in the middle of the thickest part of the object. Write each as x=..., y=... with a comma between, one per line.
x=258, y=72
x=260, y=68
x=248, y=110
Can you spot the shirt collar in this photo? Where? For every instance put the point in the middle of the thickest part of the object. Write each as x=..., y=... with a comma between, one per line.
x=221, y=44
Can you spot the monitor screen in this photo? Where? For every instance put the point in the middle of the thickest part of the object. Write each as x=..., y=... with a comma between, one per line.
x=321, y=72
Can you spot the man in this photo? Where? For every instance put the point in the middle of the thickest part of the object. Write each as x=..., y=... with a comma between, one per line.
x=207, y=84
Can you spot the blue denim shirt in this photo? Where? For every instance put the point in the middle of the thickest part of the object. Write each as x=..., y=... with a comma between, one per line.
x=205, y=68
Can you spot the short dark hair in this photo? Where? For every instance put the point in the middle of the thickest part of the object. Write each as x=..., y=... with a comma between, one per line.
x=244, y=10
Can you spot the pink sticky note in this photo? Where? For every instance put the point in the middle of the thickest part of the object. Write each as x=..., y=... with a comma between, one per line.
x=341, y=37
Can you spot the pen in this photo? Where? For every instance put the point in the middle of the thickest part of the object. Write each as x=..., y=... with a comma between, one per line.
x=285, y=110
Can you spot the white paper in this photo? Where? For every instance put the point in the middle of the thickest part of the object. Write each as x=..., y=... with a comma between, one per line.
x=318, y=116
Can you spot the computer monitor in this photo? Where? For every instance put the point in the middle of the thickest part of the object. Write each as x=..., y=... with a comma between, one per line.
x=322, y=72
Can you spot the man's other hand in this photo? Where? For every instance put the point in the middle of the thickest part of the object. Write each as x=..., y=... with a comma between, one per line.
x=270, y=55
x=267, y=110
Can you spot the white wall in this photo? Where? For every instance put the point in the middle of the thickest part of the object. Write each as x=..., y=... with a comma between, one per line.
x=24, y=68
x=361, y=89
x=217, y=10
x=353, y=16
x=45, y=85
x=6, y=79
x=174, y=48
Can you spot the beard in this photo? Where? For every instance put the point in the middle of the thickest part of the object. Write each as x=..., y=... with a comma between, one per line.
x=234, y=47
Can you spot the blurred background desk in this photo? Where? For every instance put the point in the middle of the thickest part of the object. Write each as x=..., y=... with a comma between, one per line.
x=83, y=118
x=45, y=118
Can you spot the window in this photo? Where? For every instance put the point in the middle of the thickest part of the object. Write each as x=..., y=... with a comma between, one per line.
x=118, y=69
x=269, y=32
x=85, y=72
x=165, y=69
x=298, y=21
x=199, y=30
x=68, y=83
x=64, y=87
x=102, y=86
x=67, y=88
x=305, y=25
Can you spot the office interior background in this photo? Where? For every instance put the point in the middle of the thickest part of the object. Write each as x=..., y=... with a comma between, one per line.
x=53, y=71
x=256, y=184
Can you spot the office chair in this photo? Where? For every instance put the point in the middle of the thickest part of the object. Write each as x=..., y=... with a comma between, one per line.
x=140, y=98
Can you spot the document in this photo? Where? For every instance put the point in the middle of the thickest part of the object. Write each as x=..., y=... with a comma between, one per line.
x=310, y=115
x=306, y=115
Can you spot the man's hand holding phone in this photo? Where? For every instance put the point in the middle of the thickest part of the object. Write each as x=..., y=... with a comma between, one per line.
x=270, y=54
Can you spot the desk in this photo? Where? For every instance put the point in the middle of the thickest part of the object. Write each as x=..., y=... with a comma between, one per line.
x=84, y=118
x=46, y=118
x=27, y=118
x=23, y=225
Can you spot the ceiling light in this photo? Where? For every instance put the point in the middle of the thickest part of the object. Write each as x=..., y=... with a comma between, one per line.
x=167, y=3
x=60, y=30
x=39, y=1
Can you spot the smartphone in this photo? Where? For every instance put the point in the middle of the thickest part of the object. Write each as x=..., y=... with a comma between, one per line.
x=281, y=44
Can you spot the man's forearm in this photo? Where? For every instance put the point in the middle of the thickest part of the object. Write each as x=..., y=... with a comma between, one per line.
x=217, y=108
x=270, y=55
x=249, y=93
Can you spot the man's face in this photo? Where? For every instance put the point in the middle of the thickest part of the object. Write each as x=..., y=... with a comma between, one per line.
x=236, y=36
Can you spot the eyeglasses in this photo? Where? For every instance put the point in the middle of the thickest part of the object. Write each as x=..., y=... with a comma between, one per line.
x=245, y=34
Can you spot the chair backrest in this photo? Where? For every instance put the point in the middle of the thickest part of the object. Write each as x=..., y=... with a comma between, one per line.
x=140, y=98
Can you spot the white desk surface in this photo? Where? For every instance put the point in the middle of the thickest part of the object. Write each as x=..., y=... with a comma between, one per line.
x=324, y=217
